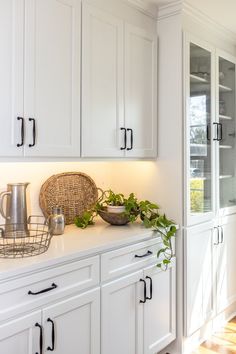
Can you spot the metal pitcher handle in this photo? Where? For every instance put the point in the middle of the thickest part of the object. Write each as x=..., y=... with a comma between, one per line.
x=2, y=195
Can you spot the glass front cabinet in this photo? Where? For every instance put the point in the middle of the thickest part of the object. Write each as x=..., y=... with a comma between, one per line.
x=210, y=151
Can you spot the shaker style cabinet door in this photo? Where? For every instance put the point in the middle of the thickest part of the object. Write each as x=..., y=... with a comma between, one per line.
x=225, y=264
x=73, y=326
x=199, y=276
x=160, y=308
x=21, y=336
x=122, y=320
x=140, y=92
x=102, y=84
x=11, y=73
x=52, y=77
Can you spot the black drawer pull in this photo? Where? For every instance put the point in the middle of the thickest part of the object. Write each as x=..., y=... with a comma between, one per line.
x=144, y=292
x=52, y=287
x=131, y=139
x=22, y=132
x=40, y=338
x=53, y=335
x=150, y=289
x=144, y=255
x=125, y=138
x=34, y=132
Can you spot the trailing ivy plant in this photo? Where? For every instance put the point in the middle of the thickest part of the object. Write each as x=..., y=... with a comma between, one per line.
x=147, y=211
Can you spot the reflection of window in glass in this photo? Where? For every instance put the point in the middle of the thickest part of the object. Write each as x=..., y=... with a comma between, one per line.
x=198, y=125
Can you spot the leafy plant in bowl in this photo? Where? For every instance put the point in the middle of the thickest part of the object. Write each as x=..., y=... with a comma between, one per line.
x=148, y=212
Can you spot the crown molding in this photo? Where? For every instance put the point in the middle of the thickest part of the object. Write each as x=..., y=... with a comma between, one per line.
x=145, y=7
x=171, y=9
x=208, y=22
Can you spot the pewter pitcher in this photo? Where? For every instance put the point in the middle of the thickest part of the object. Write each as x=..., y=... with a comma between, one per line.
x=16, y=207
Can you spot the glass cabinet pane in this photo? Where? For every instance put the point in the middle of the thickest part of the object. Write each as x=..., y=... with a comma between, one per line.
x=199, y=129
x=226, y=133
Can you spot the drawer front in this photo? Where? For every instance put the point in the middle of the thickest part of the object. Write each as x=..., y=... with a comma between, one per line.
x=45, y=286
x=128, y=259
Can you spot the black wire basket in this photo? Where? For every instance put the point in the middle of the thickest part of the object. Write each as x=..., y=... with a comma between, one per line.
x=24, y=240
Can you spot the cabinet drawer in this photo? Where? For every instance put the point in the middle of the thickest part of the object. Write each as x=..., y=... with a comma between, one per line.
x=128, y=259
x=42, y=287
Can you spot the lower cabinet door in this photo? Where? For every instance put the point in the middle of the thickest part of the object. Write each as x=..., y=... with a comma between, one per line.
x=198, y=276
x=160, y=308
x=21, y=336
x=122, y=315
x=226, y=264
x=72, y=326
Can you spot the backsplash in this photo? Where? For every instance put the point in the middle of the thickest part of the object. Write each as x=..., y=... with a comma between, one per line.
x=147, y=179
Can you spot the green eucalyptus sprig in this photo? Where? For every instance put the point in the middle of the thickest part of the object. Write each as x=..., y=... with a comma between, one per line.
x=147, y=211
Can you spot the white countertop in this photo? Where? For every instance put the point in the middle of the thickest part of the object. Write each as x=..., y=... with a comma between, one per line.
x=76, y=243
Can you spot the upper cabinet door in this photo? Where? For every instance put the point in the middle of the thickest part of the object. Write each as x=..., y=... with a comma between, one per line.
x=140, y=92
x=11, y=73
x=102, y=84
x=226, y=133
x=200, y=132
x=52, y=77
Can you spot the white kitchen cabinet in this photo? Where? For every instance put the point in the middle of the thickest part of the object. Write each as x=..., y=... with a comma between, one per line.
x=209, y=279
x=138, y=312
x=52, y=77
x=119, y=94
x=199, y=276
x=40, y=78
x=102, y=83
x=22, y=335
x=122, y=313
x=224, y=255
x=209, y=132
x=160, y=309
x=140, y=92
x=11, y=73
x=73, y=324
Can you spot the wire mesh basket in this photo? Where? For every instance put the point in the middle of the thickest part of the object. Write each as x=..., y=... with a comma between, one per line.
x=18, y=240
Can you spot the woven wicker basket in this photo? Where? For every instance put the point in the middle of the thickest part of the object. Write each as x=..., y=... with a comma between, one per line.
x=75, y=192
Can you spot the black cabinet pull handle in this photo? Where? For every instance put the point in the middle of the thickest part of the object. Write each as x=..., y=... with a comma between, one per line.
x=34, y=132
x=208, y=132
x=144, y=292
x=22, y=131
x=218, y=236
x=150, y=289
x=52, y=287
x=219, y=131
x=131, y=139
x=40, y=338
x=148, y=253
x=125, y=138
x=53, y=335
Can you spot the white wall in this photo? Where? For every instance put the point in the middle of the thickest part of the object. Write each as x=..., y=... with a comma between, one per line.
x=140, y=177
x=37, y=172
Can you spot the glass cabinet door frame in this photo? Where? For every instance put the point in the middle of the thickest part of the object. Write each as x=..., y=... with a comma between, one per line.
x=226, y=56
x=200, y=217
